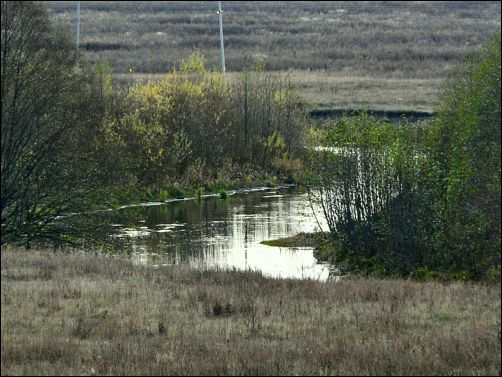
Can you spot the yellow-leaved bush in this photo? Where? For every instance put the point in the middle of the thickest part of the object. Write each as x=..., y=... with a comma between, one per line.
x=195, y=117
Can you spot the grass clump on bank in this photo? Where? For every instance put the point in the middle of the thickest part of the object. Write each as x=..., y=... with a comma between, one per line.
x=223, y=194
x=298, y=240
x=81, y=314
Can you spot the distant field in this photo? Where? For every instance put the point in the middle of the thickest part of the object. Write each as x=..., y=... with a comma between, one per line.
x=340, y=53
x=328, y=90
x=397, y=39
x=331, y=90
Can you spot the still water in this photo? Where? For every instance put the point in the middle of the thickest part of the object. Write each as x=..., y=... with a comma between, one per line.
x=224, y=234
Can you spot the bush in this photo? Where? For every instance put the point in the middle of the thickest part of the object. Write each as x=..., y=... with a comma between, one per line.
x=365, y=175
x=465, y=154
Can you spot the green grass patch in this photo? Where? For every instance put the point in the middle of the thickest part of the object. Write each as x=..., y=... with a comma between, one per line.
x=223, y=194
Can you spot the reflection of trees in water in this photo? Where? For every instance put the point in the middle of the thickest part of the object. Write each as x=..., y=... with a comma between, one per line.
x=211, y=232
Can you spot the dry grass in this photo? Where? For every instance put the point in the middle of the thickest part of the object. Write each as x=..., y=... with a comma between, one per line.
x=85, y=314
x=345, y=55
x=419, y=39
x=335, y=90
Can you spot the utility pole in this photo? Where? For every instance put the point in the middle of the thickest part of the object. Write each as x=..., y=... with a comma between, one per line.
x=78, y=28
x=220, y=12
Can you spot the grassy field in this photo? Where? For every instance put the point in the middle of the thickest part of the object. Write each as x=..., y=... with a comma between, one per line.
x=379, y=39
x=343, y=54
x=85, y=314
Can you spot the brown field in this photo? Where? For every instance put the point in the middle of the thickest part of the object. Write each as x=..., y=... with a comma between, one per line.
x=343, y=54
x=69, y=314
x=405, y=39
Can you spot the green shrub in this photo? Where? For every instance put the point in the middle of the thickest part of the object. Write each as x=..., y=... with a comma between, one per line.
x=223, y=194
x=465, y=164
x=176, y=192
x=199, y=192
x=163, y=195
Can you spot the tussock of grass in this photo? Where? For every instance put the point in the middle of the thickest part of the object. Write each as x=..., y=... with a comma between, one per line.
x=298, y=240
x=85, y=314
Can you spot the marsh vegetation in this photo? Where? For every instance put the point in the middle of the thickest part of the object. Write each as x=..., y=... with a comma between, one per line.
x=68, y=314
x=388, y=39
x=386, y=55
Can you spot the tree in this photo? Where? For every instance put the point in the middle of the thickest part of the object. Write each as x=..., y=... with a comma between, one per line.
x=465, y=164
x=49, y=124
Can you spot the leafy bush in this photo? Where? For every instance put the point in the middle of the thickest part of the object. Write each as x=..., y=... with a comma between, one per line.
x=365, y=174
x=465, y=152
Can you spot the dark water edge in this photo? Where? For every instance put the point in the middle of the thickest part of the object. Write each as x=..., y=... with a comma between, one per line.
x=393, y=116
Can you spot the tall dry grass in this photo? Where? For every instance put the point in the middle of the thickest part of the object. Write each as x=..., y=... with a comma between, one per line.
x=400, y=39
x=344, y=54
x=88, y=314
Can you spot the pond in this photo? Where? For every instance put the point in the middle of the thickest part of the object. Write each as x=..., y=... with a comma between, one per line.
x=223, y=234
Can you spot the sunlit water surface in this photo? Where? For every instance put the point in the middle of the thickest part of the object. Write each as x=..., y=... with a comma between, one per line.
x=224, y=234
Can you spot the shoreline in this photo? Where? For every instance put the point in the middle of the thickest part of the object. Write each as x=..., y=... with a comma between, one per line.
x=174, y=200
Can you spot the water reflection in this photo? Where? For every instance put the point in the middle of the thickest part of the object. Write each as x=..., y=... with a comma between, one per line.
x=225, y=234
